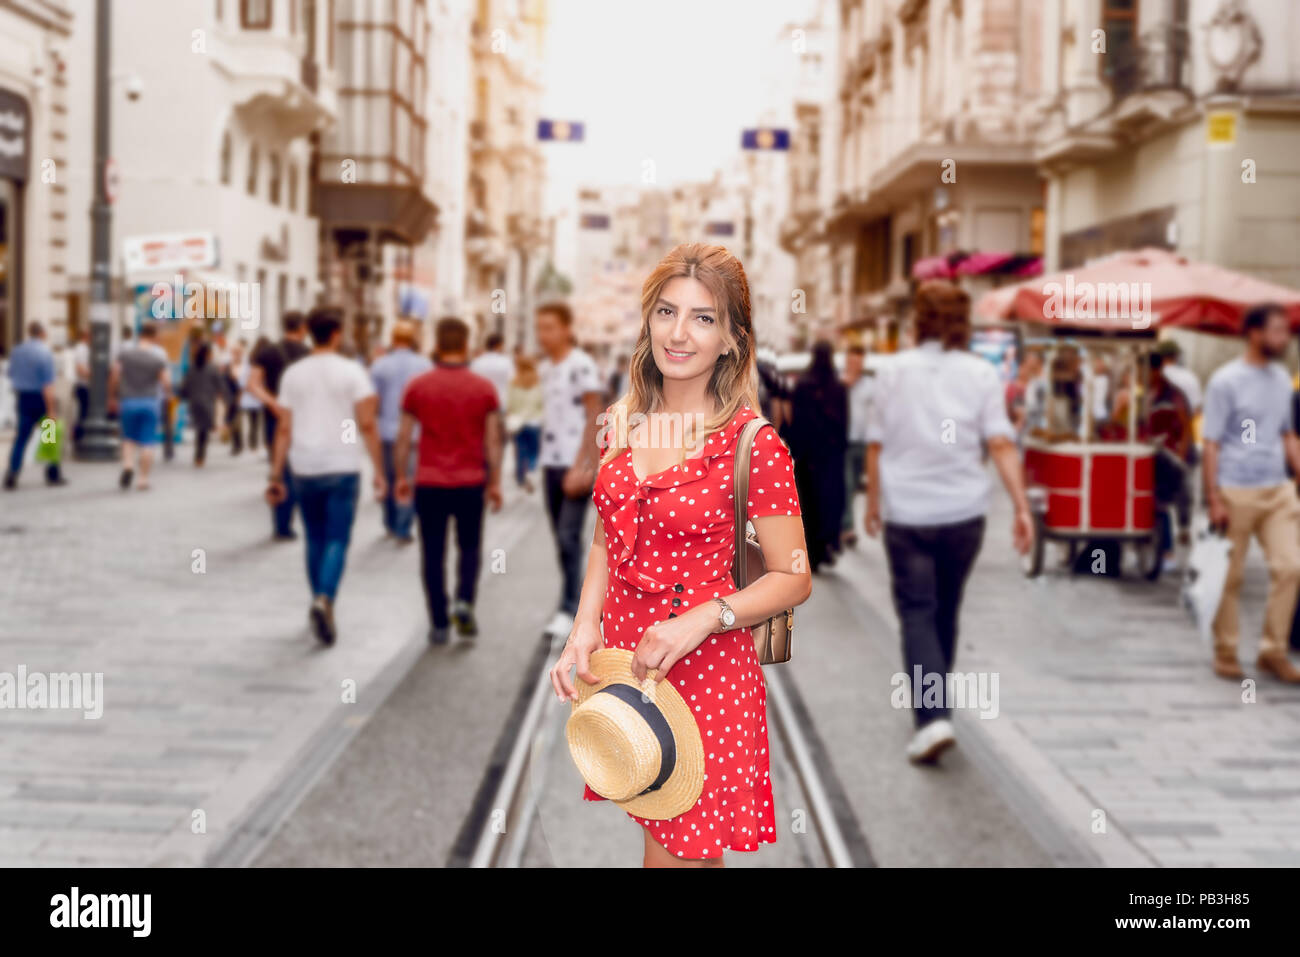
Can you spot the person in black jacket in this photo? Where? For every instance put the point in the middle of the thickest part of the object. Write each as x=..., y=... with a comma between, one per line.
x=818, y=433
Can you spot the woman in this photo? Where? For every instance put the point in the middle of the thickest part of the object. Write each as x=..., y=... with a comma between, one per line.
x=658, y=574
x=203, y=385
x=819, y=437
x=524, y=403
x=250, y=406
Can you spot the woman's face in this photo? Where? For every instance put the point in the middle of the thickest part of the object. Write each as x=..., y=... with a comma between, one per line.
x=685, y=330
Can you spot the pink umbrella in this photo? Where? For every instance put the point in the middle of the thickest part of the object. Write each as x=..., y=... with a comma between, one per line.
x=1143, y=289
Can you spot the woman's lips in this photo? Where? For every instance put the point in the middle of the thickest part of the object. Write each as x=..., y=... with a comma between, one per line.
x=677, y=356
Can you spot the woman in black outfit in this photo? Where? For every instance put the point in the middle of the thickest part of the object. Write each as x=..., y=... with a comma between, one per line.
x=818, y=439
x=203, y=385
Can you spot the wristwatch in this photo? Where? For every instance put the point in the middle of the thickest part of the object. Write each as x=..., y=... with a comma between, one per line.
x=726, y=617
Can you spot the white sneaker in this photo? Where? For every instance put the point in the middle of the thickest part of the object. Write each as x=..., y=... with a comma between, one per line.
x=931, y=741
x=560, y=625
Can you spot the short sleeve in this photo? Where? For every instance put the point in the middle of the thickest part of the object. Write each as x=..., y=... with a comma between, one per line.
x=411, y=399
x=876, y=409
x=771, y=477
x=362, y=387
x=588, y=377
x=993, y=411
x=1215, y=419
x=491, y=401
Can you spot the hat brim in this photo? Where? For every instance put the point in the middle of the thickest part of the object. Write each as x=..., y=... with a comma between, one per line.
x=682, y=789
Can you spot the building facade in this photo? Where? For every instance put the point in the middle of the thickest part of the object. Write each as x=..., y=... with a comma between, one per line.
x=507, y=237
x=935, y=144
x=211, y=120
x=34, y=167
x=1173, y=123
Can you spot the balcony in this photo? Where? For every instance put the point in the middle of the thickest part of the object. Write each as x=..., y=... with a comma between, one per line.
x=272, y=84
x=1158, y=61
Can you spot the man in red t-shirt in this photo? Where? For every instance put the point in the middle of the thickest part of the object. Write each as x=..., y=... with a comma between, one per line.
x=459, y=466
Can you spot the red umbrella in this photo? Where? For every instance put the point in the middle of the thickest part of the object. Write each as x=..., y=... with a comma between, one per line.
x=1140, y=289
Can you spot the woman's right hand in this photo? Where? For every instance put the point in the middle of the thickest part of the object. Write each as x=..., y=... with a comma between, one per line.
x=583, y=640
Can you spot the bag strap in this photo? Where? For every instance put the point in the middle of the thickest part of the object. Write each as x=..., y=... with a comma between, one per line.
x=740, y=489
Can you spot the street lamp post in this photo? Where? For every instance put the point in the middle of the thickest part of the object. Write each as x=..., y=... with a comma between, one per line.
x=99, y=435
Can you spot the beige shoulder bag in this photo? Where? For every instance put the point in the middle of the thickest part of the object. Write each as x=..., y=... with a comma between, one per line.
x=771, y=637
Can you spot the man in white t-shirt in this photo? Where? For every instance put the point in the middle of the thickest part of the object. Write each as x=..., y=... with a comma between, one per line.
x=495, y=366
x=572, y=400
x=933, y=407
x=328, y=408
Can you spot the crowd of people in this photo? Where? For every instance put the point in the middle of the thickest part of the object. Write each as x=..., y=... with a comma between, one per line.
x=434, y=430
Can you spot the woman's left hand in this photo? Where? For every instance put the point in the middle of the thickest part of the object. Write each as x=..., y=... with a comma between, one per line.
x=665, y=643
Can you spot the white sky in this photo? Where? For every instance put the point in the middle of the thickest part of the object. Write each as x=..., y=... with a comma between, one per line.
x=674, y=81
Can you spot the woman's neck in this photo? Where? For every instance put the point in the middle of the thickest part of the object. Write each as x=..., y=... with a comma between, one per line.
x=688, y=396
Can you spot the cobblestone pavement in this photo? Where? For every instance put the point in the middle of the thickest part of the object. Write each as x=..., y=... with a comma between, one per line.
x=212, y=685
x=1109, y=712
x=217, y=703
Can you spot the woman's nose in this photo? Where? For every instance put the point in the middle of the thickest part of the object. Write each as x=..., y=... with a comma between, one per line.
x=679, y=330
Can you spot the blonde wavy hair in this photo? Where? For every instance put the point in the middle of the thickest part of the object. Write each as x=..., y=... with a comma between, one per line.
x=735, y=375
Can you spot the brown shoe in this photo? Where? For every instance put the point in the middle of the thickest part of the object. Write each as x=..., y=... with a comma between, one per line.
x=1279, y=666
x=1228, y=667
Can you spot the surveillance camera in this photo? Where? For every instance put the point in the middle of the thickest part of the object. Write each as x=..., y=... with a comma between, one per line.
x=134, y=87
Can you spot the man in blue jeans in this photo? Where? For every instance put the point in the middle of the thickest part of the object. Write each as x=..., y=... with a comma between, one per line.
x=31, y=369
x=391, y=374
x=268, y=362
x=327, y=410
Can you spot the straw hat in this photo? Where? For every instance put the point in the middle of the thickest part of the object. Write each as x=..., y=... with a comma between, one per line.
x=637, y=745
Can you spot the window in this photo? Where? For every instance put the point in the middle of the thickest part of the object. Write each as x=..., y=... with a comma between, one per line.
x=253, y=162
x=255, y=14
x=226, y=151
x=274, y=185
x=221, y=13
x=1121, y=66
x=292, y=199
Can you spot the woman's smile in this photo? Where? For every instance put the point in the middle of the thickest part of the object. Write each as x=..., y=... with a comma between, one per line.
x=676, y=356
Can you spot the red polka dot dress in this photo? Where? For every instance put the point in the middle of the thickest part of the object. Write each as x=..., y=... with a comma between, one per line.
x=670, y=541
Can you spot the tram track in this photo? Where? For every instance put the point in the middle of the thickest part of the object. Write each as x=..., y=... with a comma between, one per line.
x=508, y=811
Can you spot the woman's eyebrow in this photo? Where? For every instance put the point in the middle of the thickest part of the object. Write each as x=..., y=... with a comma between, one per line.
x=673, y=306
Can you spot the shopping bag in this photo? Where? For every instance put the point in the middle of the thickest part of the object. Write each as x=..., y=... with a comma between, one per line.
x=1207, y=570
x=49, y=441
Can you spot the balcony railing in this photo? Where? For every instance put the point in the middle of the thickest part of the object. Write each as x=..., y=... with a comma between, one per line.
x=1159, y=60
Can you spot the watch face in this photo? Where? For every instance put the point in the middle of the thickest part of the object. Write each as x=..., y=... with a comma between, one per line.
x=728, y=617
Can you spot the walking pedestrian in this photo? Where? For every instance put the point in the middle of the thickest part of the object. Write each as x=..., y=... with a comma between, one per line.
x=1169, y=422
x=934, y=405
x=494, y=365
x=269, y=365
x=140, y=381
x=571, y=390
x=231, y=395
x=250, y=406
x=31, y=372
x=858, y=381
x=1026, y=403
x=524, y=405
x=658, y=594
x=81, y=381
x=459, y=468
x=326, y=410
x=819, y=428
x=203, y=387
x=391, y=373
x=1248, y=445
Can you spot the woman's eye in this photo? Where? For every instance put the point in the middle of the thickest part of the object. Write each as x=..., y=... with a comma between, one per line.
x=706, y=319
x=664, y=309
